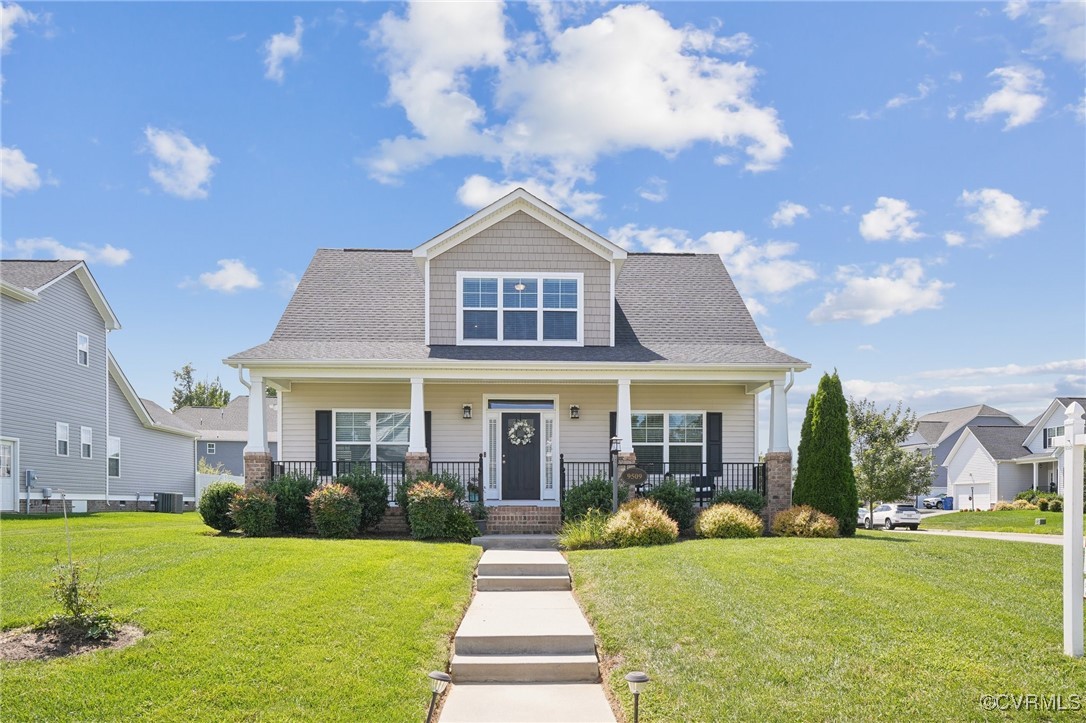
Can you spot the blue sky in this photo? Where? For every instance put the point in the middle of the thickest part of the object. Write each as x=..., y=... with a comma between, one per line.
x=897, y=188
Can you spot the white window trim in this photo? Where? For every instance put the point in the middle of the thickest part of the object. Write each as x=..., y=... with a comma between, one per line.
x=65, y=437
x=210, y=447
x=86, y=433
x=113, y=443
x=373, y=429
x=667, y=443
x=82, y=345
x=1049, y=434
x=501, y=276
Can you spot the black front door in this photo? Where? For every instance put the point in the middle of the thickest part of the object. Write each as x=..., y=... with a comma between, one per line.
x=520, y=456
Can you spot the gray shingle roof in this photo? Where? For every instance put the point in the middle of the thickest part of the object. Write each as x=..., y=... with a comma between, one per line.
x=228, y=423
x=1003, y=443
x=368, y=305
x=952, y=420
x=33, y=274
x=160, y=415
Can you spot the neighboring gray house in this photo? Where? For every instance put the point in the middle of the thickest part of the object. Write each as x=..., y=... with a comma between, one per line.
x=67, y=412
x=222, y=431
x=936, y=434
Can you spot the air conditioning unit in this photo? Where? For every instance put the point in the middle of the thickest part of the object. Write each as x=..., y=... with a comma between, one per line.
x=169, y=502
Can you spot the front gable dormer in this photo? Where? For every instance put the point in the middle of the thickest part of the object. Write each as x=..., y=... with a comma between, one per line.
x=520, y=273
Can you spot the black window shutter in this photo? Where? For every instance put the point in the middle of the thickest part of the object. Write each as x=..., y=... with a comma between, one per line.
x=428, y=416
x=714, y=454
x=614, y=428
x=324, y=441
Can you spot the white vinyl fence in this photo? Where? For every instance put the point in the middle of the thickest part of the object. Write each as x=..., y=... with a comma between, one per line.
x=203, y=480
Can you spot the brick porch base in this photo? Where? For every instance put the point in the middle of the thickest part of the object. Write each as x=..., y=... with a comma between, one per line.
x=526, y=520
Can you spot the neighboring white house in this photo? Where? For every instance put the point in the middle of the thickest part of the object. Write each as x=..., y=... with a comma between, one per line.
x=68, y=415
x=223, y=435
x=992, y=463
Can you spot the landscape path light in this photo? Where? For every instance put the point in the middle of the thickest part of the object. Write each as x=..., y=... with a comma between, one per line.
x=637, y=682
x=438, y=683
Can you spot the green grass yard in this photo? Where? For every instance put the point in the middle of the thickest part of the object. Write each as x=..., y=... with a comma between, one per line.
x=1004, y=521
x=237, y=629
x=880, y=627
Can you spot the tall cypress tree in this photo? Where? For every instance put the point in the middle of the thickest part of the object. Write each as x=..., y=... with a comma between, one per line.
x=824, y=476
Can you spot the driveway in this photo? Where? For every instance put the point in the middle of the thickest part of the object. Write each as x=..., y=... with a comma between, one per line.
x=1005, y=536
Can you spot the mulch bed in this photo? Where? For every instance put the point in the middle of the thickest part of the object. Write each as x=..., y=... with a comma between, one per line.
x=51, y=642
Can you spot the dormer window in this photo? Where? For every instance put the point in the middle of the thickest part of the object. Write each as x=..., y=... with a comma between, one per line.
x=520, y=309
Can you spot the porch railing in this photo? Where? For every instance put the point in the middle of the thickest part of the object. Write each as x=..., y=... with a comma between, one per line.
x=393, y=473
x=707, y=479
x=470, y=474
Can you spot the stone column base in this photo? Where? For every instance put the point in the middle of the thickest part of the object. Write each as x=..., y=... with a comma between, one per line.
x=416, y=463
x=258, y=468
x=778, y=469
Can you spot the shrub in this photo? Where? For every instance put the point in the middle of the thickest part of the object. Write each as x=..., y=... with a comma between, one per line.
x=429, y=506
x=459, y=526
x=1003, y=506
x=448, y=480
x=215, y=505
x=585, y=533
x=78, y=597
x=592, y=494
x=752, y=500
x=291, y=505
x=372, y=492
x=1055, y=505
x=804, y=521
x=825, y=479
x=677, y=501
x=729, y=521
x=1026, y=495
x=1042, y=504
x=336, y=510
x=1023, y=505
x=640, y=522
x=253, y=510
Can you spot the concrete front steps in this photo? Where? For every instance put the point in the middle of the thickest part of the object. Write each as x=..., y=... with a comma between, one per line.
x=524, y=651
x=516, y=542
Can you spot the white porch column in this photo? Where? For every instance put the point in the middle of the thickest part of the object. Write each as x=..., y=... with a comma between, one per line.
x=1036, y=465
x=623, y=422
x=778, y=418
x=1074, y=442
x=417, y=440
x=258, y=426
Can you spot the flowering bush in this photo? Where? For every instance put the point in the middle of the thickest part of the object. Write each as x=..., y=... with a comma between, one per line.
x=804, y=521
x=253, y=510
x=429, y=505
x=640, y=522
x=336, y=511
x=729, y=521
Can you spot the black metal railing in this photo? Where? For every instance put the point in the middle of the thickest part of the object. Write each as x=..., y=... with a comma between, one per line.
x=707, y=479
x=470, y=474
x=393, y=473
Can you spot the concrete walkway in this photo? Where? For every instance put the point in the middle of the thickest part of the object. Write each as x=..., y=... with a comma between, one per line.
x=524, y=651
x=1005, y=536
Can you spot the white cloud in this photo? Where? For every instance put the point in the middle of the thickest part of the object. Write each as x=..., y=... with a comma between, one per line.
x=786, y=214
x=13, y=15
x=287, y=283
x=1000, y=214
x=627, y=80
x=478, y=191
x=953, y=238
x=878, y=391
x=897, y=288
x=282, y=47
x=1079, y=109
x=866, y=347
x=923, y=90
x=232, y=275
x=1020, y=96
x=1061, y=26
x=18, y=173
x=183, y=169
x=1067, y=366
x=1016, y=9
x=890, y=219
x=755, y=268
x=654, y=189
x=756, y=308
x=50, y=248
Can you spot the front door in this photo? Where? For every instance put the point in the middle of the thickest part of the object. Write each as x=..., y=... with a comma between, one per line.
x=7, y=476
x=520, y=456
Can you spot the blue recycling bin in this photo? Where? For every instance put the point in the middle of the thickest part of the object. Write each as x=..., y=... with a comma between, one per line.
x=948, y=503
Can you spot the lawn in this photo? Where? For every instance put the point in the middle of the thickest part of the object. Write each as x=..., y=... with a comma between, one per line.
x=1004, y=521
x=238, y=629
x=880, y=627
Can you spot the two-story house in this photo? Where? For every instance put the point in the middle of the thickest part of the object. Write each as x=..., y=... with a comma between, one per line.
x=222, y=432
x=68, y=415
x=512, y=348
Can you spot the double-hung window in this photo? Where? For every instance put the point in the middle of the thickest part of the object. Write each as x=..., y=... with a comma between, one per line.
x=113, y=449
x=86, y=440
x=520, y=309
x=62, y=439
x=211, y=448
x=82, y=350
x=1050, y=434
x=669, y=441
x=370, y=436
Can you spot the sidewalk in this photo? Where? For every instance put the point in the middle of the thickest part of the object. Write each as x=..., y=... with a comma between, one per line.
x=1005, y=536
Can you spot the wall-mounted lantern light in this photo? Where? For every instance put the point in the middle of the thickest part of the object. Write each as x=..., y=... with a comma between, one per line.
x=574, y=411
x=467, y=411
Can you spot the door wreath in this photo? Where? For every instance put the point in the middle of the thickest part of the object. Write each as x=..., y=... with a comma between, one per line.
x=521, y=432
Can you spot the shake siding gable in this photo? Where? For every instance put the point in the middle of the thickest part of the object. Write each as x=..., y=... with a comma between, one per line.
x=515, y=244
x=151, y=461
x=41, y=384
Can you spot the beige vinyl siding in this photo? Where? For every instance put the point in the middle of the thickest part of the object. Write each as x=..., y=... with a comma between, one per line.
x=519, y=243
x=454, y=438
